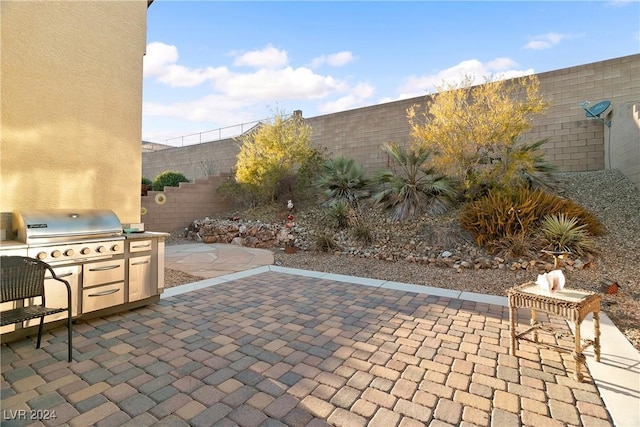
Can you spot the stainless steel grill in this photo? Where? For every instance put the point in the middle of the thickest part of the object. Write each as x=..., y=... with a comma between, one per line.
x=84, y=246
x=51, y=226
x=69, y=236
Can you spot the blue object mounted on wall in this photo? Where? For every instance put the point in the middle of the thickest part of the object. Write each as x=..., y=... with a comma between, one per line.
x=596, y=110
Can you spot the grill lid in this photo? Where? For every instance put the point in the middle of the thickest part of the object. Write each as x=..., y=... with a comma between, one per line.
x=57, y=225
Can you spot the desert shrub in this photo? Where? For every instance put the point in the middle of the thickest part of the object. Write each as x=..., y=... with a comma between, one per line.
x=168, y=179
x=146, y=181
x=272, y=151
x=361, y=229
x=207, y=167
x=562, y=233
x=240, y=195
x=519, y=165
x=413, y=186
x=338, y=214
x=285, y=188
x=476, y=130
x=522, y=165
x=503, y=214
x=307, y=174
x=341, y=179
x=516, y=245
x=325, y=242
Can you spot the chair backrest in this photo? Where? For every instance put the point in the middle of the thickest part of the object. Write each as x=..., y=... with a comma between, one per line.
x=21, y=277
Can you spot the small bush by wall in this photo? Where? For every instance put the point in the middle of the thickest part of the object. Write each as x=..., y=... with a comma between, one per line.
x=168, y=179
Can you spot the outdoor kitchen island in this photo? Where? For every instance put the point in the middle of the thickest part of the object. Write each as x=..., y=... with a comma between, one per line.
x=109, y=271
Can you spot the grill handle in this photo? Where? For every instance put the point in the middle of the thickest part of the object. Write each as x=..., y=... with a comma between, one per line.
x=103, y=293
x=105, y=268
x=143, y=245
x=83, y=234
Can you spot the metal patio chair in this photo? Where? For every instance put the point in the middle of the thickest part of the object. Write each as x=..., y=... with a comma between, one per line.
x=22, y=278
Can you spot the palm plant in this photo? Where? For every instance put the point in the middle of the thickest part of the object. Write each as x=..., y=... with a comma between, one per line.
x=415, y=187
x=523, y=165
x=341, y=179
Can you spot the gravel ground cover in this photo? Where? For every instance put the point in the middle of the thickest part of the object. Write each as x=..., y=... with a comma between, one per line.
x=607, y=194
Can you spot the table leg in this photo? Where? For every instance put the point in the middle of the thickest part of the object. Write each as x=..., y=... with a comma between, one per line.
x=512, y=328
x=578, y=357
x=596, y=332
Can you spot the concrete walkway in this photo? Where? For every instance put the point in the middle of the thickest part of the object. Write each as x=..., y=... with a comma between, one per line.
x=214, y=260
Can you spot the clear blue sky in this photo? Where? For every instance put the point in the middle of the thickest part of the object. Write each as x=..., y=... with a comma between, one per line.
x=215, y=64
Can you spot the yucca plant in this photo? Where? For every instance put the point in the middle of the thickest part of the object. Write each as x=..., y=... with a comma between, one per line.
x=338, y=214
x=341, y=179
x=415, y=187
x=563, y=233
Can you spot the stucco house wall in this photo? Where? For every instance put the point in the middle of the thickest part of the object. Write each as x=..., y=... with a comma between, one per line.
x=575, y=142
x=72, y=105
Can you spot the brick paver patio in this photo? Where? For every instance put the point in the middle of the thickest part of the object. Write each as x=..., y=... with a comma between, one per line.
x=276, y=349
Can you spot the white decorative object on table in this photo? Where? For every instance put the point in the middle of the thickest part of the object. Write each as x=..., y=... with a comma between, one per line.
x=552, y=281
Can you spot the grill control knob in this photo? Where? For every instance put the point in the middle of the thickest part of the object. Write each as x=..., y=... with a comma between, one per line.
x=69, y=252
x=115, y=248
x=100, y=249
x=56, y=254
x=85, y=251
x=41, y=255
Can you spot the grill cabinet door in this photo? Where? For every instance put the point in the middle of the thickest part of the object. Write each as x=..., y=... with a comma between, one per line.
x=140, y=283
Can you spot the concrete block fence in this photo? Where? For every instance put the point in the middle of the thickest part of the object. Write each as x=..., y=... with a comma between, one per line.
x=576, y=143
x=175, y=207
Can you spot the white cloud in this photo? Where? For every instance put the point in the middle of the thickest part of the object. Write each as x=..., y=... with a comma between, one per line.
x=544, y=41
x=289, y=83
x=157, y=57
x=235, y=96
x=268, y=57
x=499, y=68
x=339, y=59
x=357, y=97
x=335, y=59
x=210, y=108
x=160, y=62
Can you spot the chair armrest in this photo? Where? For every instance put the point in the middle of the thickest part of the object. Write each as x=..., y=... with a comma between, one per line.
x=55, y=277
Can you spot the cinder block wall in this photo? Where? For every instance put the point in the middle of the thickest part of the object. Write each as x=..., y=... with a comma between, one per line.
x=189, y=201
x=194, y=161
x=575, y=142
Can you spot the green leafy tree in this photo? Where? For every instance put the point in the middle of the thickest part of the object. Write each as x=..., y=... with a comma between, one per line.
x=271, y=152
x=415, y=186
x=476, y=132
